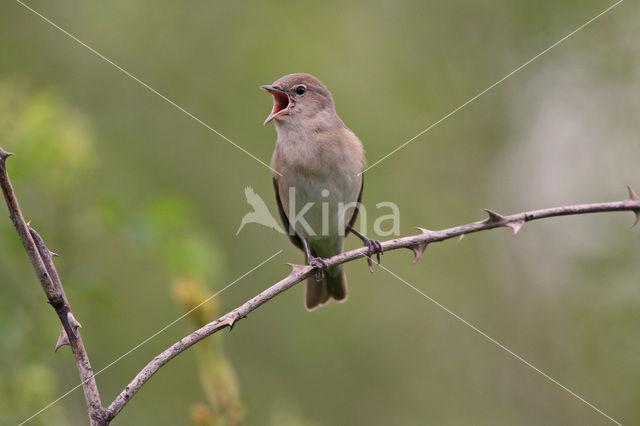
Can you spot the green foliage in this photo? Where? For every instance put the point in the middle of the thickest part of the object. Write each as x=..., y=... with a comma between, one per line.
x=58, y=143
x=55, y=138
x=217, y=376
x=170, y=230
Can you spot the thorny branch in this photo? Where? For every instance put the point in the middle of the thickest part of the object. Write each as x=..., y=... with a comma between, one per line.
x=41, y=259
x=417, y=243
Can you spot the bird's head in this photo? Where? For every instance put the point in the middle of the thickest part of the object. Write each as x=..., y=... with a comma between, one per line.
x=299, y=97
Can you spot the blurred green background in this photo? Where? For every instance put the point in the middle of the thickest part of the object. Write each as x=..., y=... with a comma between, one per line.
x=143, y=204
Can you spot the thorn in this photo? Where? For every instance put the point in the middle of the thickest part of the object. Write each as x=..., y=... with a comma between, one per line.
x=418, y=249
x=73, y=322
x=53, y=254
x=515, y=226
x=461, y=237
x=494, y=217
x=62, y=340
x=4, y=155
x=231, y=322
x=425, y=231
x=29, y=224
x=634, y=197
x=295, y=268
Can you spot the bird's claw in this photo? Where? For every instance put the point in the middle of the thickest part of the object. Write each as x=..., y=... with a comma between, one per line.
x=374, y=247
x=320, y=264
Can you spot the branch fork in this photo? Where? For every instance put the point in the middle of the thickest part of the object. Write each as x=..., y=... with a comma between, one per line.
x=41, y=259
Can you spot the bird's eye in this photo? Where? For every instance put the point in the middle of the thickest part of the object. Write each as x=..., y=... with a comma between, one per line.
x=300, y=90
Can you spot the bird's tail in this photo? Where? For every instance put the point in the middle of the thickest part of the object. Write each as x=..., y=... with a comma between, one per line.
x=333, y=284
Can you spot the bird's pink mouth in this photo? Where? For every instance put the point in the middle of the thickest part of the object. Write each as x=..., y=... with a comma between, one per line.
x=281, y=103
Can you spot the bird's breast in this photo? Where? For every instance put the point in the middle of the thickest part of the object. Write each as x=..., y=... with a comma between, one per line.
x=320, y=179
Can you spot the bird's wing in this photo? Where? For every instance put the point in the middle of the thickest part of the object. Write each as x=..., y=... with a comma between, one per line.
x=295, y=239
x=356, y=210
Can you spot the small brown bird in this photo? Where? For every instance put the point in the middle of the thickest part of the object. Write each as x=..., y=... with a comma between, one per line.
x=319, y=185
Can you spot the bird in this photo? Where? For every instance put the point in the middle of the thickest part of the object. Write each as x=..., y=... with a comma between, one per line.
x=260, y=213
x=317, y=170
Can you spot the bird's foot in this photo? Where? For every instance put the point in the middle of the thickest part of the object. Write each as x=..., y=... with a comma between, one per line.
x=374, y=247
x=320, y=264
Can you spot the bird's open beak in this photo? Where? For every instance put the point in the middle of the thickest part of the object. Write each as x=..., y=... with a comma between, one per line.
x=281, y=103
